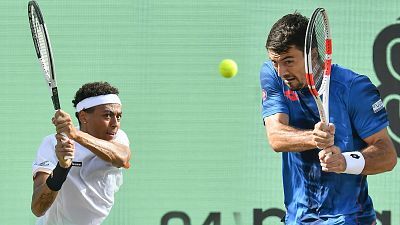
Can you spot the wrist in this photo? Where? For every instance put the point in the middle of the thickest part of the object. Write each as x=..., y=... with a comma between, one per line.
x=355, y=162
x=65, y=164
x=57, y=178
x=74, y=133
x=77, y=135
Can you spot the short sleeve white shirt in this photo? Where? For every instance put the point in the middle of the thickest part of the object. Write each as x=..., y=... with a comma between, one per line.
x=87, y=195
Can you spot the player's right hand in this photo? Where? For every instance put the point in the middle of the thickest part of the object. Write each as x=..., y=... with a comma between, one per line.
x=323, y=135
x=64, y=148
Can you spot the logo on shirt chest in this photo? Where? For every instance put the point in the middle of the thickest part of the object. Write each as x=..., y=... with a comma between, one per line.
x=291, y=95
x=77, y=164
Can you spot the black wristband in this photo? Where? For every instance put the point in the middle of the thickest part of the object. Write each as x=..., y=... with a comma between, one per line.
x=56, y=180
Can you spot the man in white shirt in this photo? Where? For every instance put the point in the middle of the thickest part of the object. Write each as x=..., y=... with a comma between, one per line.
x=81, y=191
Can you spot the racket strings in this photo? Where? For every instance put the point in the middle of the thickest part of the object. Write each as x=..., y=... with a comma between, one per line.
x=319, y=50
x=42, y=45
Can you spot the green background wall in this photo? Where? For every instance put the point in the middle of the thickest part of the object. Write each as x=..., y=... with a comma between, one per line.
x=198, y=141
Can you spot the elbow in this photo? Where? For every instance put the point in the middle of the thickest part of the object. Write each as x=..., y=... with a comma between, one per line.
x=37, y=212
x=123, y=160
x=392, y=163
x=392, y=160
x=274, y=142
x=277, y=150
x=125, y=163
x=275, y=146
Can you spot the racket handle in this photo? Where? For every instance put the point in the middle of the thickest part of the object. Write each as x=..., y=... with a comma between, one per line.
x=67, y=159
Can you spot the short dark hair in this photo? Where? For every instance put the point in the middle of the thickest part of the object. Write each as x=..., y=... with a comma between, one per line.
x=288, y=31
x=93, y=89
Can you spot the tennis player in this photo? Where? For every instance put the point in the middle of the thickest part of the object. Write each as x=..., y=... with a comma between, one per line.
x=81, y=192
x=322, y=188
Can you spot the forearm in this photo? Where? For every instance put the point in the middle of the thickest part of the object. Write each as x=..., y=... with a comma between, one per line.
x=379, y=157
x=112, y=152
x=284, y=138
x=42, y=199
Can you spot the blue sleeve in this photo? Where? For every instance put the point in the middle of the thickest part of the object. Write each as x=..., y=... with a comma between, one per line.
x=273, y=100
x=366, y=108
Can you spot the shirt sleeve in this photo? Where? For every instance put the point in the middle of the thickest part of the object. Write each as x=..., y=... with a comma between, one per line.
x=46, y=159
x=366, y=108
x=273, y=99
x=122, y=138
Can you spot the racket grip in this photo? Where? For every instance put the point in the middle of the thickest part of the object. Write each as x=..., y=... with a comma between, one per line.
x=67, y=159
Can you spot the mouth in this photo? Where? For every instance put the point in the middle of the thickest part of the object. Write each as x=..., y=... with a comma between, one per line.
x=111, y=133
x=288, y=80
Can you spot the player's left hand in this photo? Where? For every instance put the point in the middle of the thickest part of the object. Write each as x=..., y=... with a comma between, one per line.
x=64, y=125
x=332, y=160
x=64, y=148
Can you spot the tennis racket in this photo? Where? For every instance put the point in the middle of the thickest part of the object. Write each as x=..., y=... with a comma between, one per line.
x=41, y=41
x=318, y=60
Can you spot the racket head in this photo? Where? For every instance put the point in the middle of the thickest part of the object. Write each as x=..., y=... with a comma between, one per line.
x=318, y=60
x=42, y=45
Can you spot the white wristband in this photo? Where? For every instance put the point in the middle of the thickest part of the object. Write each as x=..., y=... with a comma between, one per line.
x=355, y=162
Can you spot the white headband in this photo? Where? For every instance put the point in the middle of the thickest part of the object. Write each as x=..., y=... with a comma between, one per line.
x=97, y=100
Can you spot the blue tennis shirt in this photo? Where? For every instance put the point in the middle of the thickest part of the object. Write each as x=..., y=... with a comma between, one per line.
x=356, y=109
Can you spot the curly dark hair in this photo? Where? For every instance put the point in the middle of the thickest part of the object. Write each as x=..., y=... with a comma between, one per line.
x=288, y=31
x=92, y=90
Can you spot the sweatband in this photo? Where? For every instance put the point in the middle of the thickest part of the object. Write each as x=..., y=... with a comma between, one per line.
x=57, y=178
x=355, y=162
x=97, y=100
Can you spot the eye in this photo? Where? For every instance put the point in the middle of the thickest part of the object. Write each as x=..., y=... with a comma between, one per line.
x=107, y=115
x=275, y=64
x=289, y=62
x=119, y=117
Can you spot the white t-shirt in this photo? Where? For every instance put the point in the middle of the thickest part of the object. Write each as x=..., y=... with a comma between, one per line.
x=87, y=195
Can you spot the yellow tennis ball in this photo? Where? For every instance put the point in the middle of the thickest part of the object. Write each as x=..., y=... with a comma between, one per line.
x=228, y=68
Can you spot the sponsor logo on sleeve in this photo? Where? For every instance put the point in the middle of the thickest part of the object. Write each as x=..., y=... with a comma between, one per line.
x=44, y=163
x=377, y=106
x=264, y=94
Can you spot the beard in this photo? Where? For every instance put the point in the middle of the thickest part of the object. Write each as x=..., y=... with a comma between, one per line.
x=295, y=85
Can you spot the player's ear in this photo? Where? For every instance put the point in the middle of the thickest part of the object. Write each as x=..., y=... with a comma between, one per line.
x=82, y=116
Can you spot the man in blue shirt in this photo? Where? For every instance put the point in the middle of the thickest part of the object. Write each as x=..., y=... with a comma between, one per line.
x=326, y=186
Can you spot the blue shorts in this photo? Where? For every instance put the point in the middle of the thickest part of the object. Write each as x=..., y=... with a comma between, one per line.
x=340, y=220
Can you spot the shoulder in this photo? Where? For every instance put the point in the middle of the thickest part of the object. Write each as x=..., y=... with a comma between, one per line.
x=121, y=132
x=268, y=69
x=345, y=80
x=50, y=139
x=342, y=75
x=122, y=138
x=347, y=77
x=268, y=75
x=47, y=145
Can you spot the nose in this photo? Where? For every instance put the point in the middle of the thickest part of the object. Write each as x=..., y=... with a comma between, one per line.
x=114, y=121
